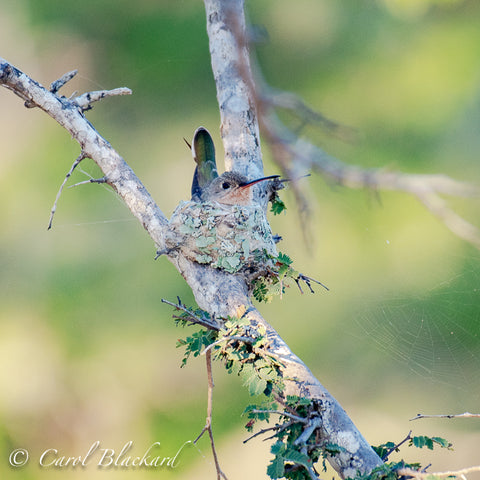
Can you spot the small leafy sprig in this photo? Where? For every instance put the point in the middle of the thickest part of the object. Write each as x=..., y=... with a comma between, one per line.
x=386, y=449
x=278, y=206
x=243, y=348
x=298, y=446
x=391, y=470
x=277, y=279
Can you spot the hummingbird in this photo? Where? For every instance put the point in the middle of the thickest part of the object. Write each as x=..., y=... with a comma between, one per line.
x=230, y=188
x=221, y=225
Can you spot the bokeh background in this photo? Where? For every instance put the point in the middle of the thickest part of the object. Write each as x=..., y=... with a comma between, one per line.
x=87, y=349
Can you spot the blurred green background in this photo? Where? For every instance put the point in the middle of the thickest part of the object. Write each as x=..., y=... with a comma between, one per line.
x=87, y=349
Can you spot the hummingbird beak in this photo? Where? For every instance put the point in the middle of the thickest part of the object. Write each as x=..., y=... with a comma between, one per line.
x=253, y=182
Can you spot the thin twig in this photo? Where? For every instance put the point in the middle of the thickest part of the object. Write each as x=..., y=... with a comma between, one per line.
x=54, y=208
x=308, y=280
x=460, y=415
x=227, y=339
x=312, y=425
x=408, y=472
x=90, y=180
x=54, y=87
x=292, y=153
x=292, y=102
x=204, y=322
x=311, y=473
x=395, y=447
x=58, y=84
x=296, y=418
x=208, y=421
x=262, y=431
x=84, y=101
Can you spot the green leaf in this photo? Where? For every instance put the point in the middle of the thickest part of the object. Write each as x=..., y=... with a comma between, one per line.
x=276, y=469
x=422, y=441
x=334, y=449
x=277, y=205
x=283, y=258
x=256, y=385
x=295, y=456
x=278, y=448
x=442, y=442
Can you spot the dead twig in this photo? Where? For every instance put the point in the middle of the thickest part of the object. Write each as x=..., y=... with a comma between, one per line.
x=58, y=84
x=84, y=101
x=67, y=176
x=296, y=155
x=204, y=321
x=459, y=415
x=208, y=421
x=308, y=281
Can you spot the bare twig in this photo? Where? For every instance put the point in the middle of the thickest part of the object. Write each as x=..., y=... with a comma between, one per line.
x=284, y=414
x=293, y=103
x=90, y=180
x=408, y=472
x=208, y=421
x=308, y=280
x=427, y=188
x=67, y=176
x=209, y=323
x=460, y=415
x=84, y=102
x=295, y=154
x=58, y=84
x=265, y=430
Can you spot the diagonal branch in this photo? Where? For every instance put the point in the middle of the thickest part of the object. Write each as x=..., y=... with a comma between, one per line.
x=117, y=173
x=230, y=64
x=295, y=154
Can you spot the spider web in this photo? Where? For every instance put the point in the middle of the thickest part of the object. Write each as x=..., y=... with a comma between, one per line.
x=436, y=334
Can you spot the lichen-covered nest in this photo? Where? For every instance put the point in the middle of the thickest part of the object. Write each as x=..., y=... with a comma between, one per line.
x=230, y=237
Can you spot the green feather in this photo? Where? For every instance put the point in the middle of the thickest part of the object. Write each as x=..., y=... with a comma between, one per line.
x=203, y=151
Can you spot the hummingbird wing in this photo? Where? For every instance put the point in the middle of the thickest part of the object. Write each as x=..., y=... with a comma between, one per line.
x=203, y=151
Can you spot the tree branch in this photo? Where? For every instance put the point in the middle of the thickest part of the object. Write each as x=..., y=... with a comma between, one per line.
x=229, y=54
x=69, y=115
x=225, y=25
x=460, y=415
x=295, y=154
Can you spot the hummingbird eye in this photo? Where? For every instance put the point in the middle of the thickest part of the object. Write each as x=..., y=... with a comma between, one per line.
x=225, y=185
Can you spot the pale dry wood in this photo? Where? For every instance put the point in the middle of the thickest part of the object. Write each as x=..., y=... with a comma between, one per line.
x=447, y=415
x=231, y=69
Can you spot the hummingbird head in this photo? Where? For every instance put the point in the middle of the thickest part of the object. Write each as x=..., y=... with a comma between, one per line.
x=232, y=188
